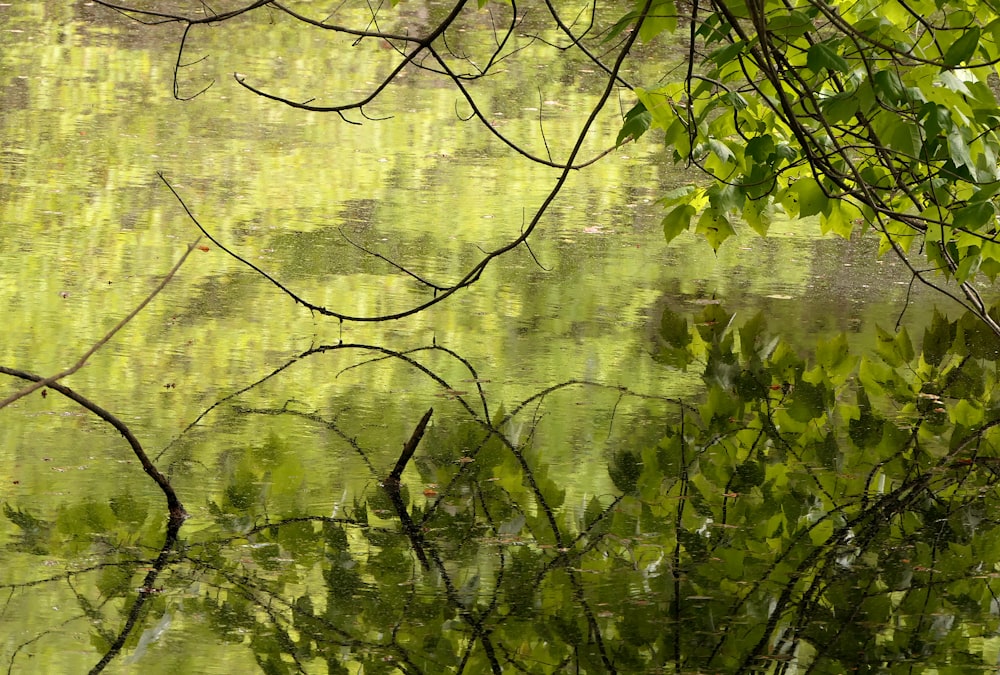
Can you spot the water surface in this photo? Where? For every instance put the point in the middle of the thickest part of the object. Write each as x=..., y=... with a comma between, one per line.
x=88, y=228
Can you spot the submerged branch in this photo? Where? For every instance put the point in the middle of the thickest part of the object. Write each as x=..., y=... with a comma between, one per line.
x=177, y=512
x=392, y=482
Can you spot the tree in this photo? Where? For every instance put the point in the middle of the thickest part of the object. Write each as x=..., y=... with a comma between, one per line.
x=863, y=119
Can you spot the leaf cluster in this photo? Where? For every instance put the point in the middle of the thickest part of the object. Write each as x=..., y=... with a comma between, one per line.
x=858, y=115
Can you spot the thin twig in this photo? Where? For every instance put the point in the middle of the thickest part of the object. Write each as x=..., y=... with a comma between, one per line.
x=44, y=382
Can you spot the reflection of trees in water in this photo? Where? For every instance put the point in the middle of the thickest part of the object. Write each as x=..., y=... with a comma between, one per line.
x=833, y=513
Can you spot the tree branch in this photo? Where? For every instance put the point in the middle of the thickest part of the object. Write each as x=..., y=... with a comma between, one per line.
x=82, y=361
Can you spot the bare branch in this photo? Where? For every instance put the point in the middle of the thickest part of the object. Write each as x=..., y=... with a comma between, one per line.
x=473, y=274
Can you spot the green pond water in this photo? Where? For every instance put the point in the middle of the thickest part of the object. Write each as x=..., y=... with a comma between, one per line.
x=531, y=532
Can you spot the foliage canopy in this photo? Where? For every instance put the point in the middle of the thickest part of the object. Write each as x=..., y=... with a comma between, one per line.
x=859, y=114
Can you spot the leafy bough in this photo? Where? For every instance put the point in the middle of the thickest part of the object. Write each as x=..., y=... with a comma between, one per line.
x=878, y=115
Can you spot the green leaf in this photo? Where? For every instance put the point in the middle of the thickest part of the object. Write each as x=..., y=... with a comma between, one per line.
x=789, y=24
x=905, y=138
x=662, y=17
x=659, y=103
x=725, y=197
x=974, y=216
x=637, y=122
x=959, y=149
x=963, y=48
x=677, y=221
x=620, y=26
x=760, y=148
x=715, y=227
x=625, y=469
x=823, y=55
x=811, y=197
x=757, y=214
x=681, y=195
x=728, y=54
x=840, y=107
x=968, y=265
x=676, y=135
x=839, y=217
x=720, y=150
x=888, y=86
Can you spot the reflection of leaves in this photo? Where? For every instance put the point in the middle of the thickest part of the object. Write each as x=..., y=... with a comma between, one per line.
x=241, y=493
x=518, y=588
x=801, y=487
x=866, y=430
x=676, y=338
x=625, y=469
x=713, y=324
x=116, y=580
x=128, y=509
x=749, y=474
x=894, y=349
x=808, y=402
x=979, y=341
x=938, y=338
x=34, y=531
x=694, y=544
x=763, y=503
x=674, y=329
